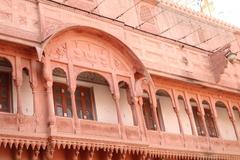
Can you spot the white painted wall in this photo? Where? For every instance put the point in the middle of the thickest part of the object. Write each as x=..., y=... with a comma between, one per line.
x=184, y=118
x=27, y=96
x=169, y=117
x=225, y=125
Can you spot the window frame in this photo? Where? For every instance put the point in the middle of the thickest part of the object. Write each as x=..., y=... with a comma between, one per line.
x=9, y=96
x=92, y=103
x=64, y=100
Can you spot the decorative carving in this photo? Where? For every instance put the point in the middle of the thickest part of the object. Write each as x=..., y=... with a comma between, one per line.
x=60, y=52
x=91, y=53
x=109, y=155
x=5, y=17
x=51, y=25
x=35, y=154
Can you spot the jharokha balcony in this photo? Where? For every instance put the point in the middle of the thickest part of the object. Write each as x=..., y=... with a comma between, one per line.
x=77, y=102
x=77, y=85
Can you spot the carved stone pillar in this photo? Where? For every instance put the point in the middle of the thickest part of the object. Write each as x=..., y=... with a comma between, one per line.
x=176, y=110
x=202, y=115
x=116, y=97
x=154, y=108
x=215, y=116
x=154, y=111
x=142, y=123
x=190, y=114
x=133, y=108
x=72, y=88
x=18, y=84
x=34, y=84
x=232, y=118
x=119, y=115
x=74, y=109
x=47, y=74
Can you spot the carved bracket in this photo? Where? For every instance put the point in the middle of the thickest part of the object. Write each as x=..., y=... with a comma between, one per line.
x=219, y=62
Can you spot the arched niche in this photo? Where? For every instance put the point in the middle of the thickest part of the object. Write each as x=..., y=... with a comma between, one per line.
x=26, y=92
x=225, y=125
x=8, y=95
x=94, y=100
x=125, y=102
x=147, y=111
x=61, y=94
x=184, y=116
x=209, y=119
x=166, y=111
x=199, y=123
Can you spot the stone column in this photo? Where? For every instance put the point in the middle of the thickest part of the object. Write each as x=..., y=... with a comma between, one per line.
x=34, y=84
x=18, y=84
x=47, y=74
x=176, y=109
x=74, y=109
x=202, y=114
x=215, y=117
x=142, y=123
x=233, y=120
x=72, y=88
x=154, y=108
x=116, y=97
x=190, y=114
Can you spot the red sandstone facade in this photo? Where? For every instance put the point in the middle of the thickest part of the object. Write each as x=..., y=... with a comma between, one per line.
x=66, y=76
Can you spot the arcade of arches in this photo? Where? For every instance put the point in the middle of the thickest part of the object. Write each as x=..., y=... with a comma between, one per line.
x=90, y=91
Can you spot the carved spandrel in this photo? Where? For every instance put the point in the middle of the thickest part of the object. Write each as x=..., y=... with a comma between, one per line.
x=51, y=25
x=118, y=65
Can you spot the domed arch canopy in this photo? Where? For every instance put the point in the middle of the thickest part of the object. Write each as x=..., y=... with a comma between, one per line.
x=93, y=48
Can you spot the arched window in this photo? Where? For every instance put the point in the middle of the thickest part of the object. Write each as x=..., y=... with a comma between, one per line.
x=61, y=94
x=93, y=98
x=197, y=117
x=27, y=95
x=127, y=108
x=166, y=113
x=147, y=111
x=5, y=86
x=184, y=116
x=225, y=125
x=209, y=119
